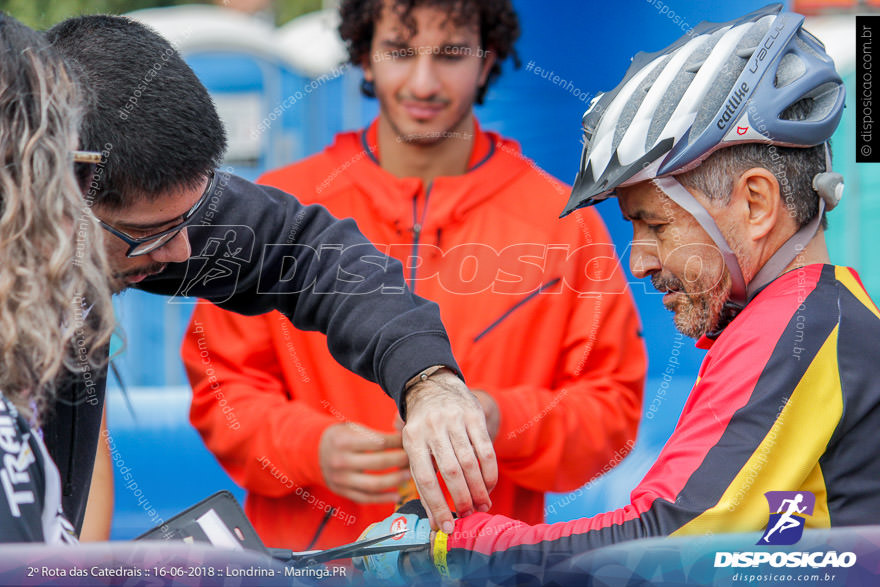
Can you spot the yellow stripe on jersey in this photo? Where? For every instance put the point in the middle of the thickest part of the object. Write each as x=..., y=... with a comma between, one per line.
x=845, y=276
x=815, y=483
x=786, y=459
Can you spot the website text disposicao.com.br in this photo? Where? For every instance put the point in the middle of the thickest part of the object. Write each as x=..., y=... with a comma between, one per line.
x=814, y=567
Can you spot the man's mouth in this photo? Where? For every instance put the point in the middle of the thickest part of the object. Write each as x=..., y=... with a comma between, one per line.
x=133, y=277
x=667, y=299
x=667, y=285
x=136, y=278
x=421, y=109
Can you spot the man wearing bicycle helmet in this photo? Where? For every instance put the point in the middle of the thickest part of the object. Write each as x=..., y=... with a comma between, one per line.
x=717, y=151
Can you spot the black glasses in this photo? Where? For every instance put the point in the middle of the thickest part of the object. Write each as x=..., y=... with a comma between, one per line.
x=147, y=244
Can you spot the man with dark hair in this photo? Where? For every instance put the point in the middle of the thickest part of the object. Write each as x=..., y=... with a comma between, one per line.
x=497, y=28
x=551, y=348
x=251, y=249
x=716, y=149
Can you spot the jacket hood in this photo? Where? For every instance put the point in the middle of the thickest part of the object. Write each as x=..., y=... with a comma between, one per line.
x=495, y=162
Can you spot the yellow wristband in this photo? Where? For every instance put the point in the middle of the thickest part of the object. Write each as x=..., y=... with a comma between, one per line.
x=440, y=552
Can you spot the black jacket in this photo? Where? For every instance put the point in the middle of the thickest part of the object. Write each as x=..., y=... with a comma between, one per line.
x=257, y=249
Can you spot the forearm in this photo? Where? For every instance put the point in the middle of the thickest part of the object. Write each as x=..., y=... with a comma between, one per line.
x=263, y=250
x=484, y=547
x=730, y=448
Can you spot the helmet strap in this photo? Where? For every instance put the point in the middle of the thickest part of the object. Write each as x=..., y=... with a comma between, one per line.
x=829, y=186
x=681, y=196
x=773, y=268
x=787, y=253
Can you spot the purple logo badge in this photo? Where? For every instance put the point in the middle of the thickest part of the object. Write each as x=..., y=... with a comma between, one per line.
x=788, y=511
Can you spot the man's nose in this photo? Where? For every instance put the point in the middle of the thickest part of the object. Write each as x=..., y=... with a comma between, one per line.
x=644, y=260
x=177, y=250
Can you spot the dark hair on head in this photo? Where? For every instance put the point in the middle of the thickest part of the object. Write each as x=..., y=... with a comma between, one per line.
x=499, y=26
x=144, y=105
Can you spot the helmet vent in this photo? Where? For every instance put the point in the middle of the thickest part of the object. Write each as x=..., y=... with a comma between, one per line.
x=632, y=106
x=746, y=52
x=677, y=106
x=814, y=106
x=791, y=68
x=695, y=67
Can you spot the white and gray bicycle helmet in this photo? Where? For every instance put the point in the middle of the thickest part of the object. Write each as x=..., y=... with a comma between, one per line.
x=717, y=86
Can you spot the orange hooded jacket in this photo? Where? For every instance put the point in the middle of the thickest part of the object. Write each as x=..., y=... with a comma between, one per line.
x=537, y=309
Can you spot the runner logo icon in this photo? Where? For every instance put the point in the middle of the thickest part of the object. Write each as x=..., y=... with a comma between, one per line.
x=788, y=511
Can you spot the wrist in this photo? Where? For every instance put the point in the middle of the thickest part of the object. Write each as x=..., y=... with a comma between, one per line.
x=439, y=548
x=443, y=378
x=423, y=376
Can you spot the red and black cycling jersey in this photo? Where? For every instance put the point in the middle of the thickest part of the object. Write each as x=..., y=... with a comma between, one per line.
x=787, y=399
x=30, y=487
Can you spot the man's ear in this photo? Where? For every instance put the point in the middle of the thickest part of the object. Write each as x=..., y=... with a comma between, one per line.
x=488, y=62
x=758, y=190
x=367, y=67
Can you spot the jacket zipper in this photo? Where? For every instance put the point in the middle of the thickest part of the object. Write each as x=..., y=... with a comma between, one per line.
x=417, y=231
x=321, y=527
x=515, y=307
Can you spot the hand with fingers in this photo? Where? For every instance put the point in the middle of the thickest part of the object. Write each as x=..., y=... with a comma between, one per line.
x=446, y=427
x=362, y=464
x=490, y=411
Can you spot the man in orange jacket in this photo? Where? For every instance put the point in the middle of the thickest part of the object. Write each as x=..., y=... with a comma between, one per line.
x=537, y=309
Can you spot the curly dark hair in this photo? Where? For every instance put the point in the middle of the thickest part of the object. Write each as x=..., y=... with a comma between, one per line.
x=499, y=27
